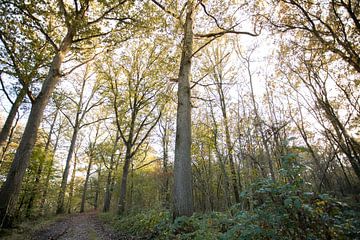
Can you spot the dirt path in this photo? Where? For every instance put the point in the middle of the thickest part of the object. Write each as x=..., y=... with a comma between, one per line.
x=84, y=226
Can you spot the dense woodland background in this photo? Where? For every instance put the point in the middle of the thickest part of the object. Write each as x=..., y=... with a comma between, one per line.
x=96, y=99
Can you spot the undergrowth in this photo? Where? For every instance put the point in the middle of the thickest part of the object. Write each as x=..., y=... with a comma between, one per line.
x=280, y=210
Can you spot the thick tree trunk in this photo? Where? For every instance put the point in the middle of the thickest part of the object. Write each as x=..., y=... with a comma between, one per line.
x=10, y=190
x=183, y=189
x=5, y=131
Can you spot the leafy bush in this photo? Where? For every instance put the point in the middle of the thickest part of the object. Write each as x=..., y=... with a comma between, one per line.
x=137, y=224
x=285, y=210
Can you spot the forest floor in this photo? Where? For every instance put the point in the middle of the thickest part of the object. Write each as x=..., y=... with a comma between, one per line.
x=81, y=226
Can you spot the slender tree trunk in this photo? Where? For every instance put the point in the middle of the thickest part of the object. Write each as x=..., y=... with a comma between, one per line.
x=107, y=198
x=5, y=131
x=72, y=183
x=80, y=113
x=183, y=185
x=97, y=192
x=91, y=156
x=83, y=197
x=221, y=161
x=10, y=189
x=259, y=126
x=8, y=142
x=61, y=197
x=36, y=188
x=49, y=172
x=122, y=198
x=165, y=197
x=229, y=147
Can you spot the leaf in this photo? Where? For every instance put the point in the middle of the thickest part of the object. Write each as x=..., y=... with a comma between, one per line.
x=288, y=202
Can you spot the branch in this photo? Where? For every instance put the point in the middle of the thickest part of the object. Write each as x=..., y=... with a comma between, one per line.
x=146, y=135
x=97, y=120
x=148, y=163
x=107, y=12
x=67, y=117
x=16, y=67
x=211, y=16
x=221, y=33
x=203, y=46
x=66, y=15
x=82, y=64
x=38, y=26
x=171, y=13
x=92, y=36
x=213, y=67
x=4, y=90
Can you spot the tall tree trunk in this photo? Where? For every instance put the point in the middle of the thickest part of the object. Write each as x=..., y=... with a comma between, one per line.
x=97, y=192
x=122, y=198
x=72, y=183
x=5, y=131
x=83, y=197
x=36, y=188
x=107, y=198
x=183, y=186
x=221, y=161
x=61, y=197
x=228, y=142
x=259, y=124
x=80, y=113
x=49, y=172
x=10, y=189
x=165, y=196
x=91, y=156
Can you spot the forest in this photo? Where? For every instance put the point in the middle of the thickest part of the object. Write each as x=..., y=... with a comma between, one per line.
x=180, y=119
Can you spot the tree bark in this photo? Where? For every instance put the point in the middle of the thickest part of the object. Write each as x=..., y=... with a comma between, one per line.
x=10, y=190
x=183, y=186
